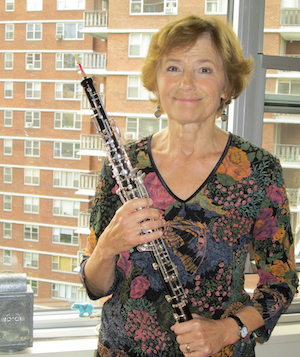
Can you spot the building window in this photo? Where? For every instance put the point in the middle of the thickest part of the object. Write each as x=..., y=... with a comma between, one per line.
x=8, y=90
x=64, y=236
x=70, y=5
x=66, y=208
x=32, y=120
x=167, y=7
x=32, y=148
x=69, y=31
x=68, y=91
x=139, y=44
x=8, y=61
x=32, y=90
x=7, y=175
x=137, y=128
x=31, y=205
x=65, y=61
x=32, y=177
x=135, y=89
x=33, y=32
x=7, y=203
x=66, y=179
x=64, y=291
x=30, y=260
x=31, y=233
x=288, y=86
x=64, y=264
x=7, y=230
x=7, y=255
x=67, y=121
x=216, y=7
x=33, y=61
x=66, y=150
x=34, y=5
x=9, y=32
x=9, y=5
x=8, y=118
x=34, y=286
x=7, y=147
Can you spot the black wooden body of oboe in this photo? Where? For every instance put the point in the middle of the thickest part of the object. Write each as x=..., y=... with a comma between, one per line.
x=130, y=182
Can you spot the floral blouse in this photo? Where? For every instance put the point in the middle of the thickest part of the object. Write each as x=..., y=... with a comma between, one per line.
x=242, y=201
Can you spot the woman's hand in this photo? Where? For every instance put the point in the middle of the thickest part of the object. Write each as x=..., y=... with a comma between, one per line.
x=202, y=337
x=125, y=229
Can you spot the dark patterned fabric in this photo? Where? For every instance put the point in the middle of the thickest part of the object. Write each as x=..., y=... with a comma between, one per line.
x=243, y=201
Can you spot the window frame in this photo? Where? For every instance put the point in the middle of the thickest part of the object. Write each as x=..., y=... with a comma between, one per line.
x=35, y=32
x=9, y=32
x=11, y=67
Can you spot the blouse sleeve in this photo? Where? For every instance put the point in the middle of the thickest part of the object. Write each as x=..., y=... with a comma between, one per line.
x=274, y=255
x=106, y=203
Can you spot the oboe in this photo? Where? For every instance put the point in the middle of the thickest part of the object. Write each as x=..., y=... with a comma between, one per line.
x=130, y=186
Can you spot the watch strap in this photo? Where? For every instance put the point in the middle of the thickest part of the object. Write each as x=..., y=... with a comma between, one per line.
x=239, y=322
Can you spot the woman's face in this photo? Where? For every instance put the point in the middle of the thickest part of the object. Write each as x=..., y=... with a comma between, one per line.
x=190, y=82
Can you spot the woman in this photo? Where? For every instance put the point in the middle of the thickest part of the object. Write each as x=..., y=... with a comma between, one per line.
x=211, y=195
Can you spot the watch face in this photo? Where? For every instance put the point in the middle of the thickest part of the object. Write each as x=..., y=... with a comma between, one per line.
x=244, y=331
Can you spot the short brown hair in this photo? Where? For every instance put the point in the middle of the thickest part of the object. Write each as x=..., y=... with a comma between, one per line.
x=184, y=33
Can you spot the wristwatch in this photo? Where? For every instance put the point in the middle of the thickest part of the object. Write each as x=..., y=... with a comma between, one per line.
x=243, y=331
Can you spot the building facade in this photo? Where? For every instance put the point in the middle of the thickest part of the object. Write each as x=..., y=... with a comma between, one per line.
x=50, y=153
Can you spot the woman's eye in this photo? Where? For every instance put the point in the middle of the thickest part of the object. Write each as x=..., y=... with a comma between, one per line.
x=172, y=69
x=205, y=70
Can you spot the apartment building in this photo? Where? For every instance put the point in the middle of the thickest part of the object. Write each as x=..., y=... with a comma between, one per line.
x=50, y=154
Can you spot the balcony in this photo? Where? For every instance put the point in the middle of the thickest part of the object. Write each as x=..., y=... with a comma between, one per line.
x=289, y=155
x=290, y=23
x=91, y=145
x=94, y=60
x=88, y=183
x=95, y=23
x=84, y=222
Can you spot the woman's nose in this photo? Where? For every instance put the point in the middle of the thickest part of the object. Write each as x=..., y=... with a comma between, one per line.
x=187, y=81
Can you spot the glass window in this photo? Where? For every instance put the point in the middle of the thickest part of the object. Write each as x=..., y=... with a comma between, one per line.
x=7, y=147
x=8, y=118
x=65, y=61
x=168, y=7
x=33, y=61
x=63, y=150
x=65, y=179
x=9, y=32
x=33, y=32
x=34, y=5
x=137, y=128
x=138, y=44
x=31, y=177
x=32, y=120
x=7, y=175
x=66, y=208
x=7, y=230
x=7, y=203
x=135, y=89
x=30, y=260
x=9, y=61
x=32, y=90
x=9, y=5
x=32, y=148
x=69, y=31
x=70, y=4
x=68, y=91
x=215, y=6
x=31, y=205
x=7, y=257
x=67, y=121
x=31, y=233
x=65, y=236
x=8, y=90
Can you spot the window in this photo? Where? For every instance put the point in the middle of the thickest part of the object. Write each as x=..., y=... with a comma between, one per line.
x=7, y=203
x=7, y=255
x=135, y=89
x=8, y=147
x=67, y=121
x=32, y=148
x=9, y=32
x=7, y=230
x=9, y=5
x=63, y=150
x=64, y=291
x=8, y=90
x=66, y=208
x=65, y=236
x=167, y=7
x=68, y=91
x=30, y=260
x=70, y=4
x=141, y=127
x=31, y=177
x=8, y=61
x=34, y=286
x=7, y=175
x=33, y=61
x=138, y=44
x=66, y=179
x=69, y=31
x=64, y=264
x=33, y=32
x=34, y=5
x=31, y=205
x=65, y=61
x=32, y=90
x=32, y=120
x=31, y=233
x=289, y=86
x=8, y=118
x=216, y=6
